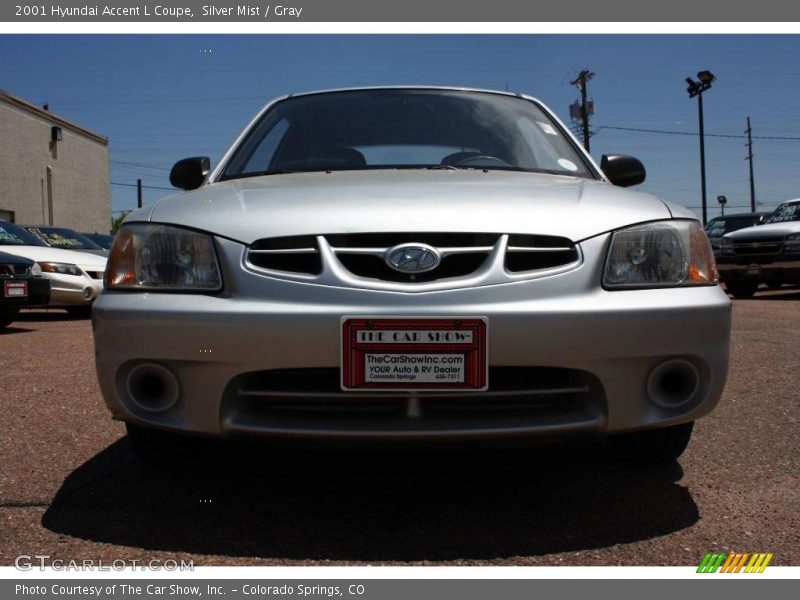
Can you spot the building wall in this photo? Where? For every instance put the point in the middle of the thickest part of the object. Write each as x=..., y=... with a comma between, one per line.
x=78, y=181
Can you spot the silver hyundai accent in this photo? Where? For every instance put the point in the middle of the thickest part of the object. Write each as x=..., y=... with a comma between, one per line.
x=412, y=264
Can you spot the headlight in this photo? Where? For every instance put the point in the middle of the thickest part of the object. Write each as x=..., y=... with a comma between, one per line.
x=726, y=246
x=60, y=268
x=36, y=270
x=792, y=242
x=660, y=254
x=162, y=258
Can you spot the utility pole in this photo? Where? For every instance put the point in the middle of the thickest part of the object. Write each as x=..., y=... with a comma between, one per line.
x=586, y=108
x=749, y=159
x=139, y=193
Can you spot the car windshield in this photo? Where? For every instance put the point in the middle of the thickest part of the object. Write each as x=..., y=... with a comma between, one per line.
x=721, y=225
x=785, y=212
x=58, y=237
x=13, y=235
x=101, y=239
x=405, y=129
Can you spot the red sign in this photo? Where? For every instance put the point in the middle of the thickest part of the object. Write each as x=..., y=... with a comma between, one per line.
x=414, y=354
x=15, y=289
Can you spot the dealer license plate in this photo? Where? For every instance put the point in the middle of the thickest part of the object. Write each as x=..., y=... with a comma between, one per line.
x=15, y=289
x=414, y=354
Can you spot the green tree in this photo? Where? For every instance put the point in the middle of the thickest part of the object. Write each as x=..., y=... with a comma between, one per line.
x=117, y=221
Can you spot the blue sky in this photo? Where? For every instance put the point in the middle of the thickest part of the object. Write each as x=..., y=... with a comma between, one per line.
x=160, y=98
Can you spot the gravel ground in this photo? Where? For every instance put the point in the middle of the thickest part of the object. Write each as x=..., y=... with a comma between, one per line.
x=70, y=487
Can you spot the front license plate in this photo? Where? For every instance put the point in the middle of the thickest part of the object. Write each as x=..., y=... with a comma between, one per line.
x=414, y=354
x=754, y=270
x=15, y=289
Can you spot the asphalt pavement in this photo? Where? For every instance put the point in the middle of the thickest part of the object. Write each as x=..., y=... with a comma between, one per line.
x=71, y=488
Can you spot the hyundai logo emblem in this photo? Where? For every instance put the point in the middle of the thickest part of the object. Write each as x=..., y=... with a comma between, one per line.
x=413, y=258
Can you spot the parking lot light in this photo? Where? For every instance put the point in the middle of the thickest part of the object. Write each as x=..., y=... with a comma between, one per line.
x=696, y=88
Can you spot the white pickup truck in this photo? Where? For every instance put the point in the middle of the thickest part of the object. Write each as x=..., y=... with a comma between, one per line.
x=768, y=253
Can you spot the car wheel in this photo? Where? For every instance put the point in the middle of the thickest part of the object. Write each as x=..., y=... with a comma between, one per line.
x=7, y=316
x=742, y=289
x=161, y=449
x=80, y=311
x=653, y=446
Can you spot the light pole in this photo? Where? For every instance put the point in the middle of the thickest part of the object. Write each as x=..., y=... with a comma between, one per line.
x=722, y=202
x=696, y=88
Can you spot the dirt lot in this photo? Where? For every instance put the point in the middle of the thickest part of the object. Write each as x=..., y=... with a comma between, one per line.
x=70, y=487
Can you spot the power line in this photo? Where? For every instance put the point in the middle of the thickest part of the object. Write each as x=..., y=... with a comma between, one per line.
x=719, y=135
x=135, y=164
x=151, y=187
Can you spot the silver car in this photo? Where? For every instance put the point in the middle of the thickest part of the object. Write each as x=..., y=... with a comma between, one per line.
x=411, y=264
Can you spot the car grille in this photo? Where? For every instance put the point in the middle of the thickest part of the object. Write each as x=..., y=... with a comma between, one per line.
x=535, y=252
x=311, y=400
x=462, y=254
x=363, y=254
x=295, y=254
x=757, y=246
x=14, y=270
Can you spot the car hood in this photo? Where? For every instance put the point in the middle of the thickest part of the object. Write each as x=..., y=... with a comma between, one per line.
x=765, y=231
x=84, y=260
x=407, y=201
x=13, y=259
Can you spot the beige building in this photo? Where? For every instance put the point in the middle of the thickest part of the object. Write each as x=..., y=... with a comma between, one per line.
x=52, y=171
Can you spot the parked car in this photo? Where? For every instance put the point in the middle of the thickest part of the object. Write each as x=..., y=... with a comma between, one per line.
x=67, y=239
x=768, y=253
x=101, y=239
x=411, y=264
x=76, y=277
x=21, y=286
x=719, y=226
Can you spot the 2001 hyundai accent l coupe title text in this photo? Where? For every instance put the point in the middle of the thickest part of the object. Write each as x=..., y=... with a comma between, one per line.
x=411, y=264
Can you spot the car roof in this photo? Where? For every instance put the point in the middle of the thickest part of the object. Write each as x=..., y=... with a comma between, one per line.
x=747, y=214
x=444, y=88
x=47, y=227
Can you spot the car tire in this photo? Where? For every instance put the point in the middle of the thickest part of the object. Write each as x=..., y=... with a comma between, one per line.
x=653, y=446
x=82, y=312
x=160, y=449
x=741, y=289
x=8, y=316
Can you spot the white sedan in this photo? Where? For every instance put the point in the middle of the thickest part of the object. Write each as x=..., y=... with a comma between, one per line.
x=76, y=277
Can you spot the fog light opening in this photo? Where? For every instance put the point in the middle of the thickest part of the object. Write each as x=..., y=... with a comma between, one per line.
x=152, y=387
x=88, y=293
x=673, y=383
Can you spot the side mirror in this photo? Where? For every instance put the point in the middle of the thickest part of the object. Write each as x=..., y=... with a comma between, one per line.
x=622, y=170
x=190, y=173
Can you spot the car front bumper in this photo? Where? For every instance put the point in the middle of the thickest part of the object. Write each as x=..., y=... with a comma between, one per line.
x=38, y=294
x=771, y=268
x=73, y=290
x=262, y=358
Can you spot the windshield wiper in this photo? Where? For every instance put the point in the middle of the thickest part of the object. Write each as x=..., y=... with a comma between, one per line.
x=272, y=172
x=291, y=171
x=496, y=168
